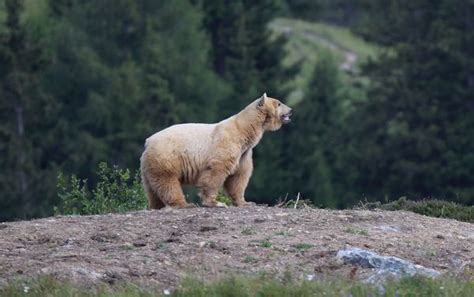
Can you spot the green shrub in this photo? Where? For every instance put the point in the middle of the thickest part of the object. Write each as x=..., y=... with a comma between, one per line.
x=116, y=191
x=432, y=208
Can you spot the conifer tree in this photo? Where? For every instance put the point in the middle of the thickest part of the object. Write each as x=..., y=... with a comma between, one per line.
x=23, y=109
x=416, y=131
x=316, y=119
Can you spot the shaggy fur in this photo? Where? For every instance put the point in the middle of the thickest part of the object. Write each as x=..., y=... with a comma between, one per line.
x=208, y=156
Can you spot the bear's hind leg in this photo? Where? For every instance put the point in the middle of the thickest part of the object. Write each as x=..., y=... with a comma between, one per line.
x=170, y=193
x=154, y=202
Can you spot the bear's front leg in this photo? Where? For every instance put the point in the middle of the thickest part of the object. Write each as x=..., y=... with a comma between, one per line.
x=236, y=184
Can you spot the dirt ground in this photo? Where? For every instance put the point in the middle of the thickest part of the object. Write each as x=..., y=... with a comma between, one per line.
x=160, y=247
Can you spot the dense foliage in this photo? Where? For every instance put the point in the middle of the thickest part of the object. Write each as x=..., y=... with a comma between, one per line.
x=85, y=81
x=431, y=208
x=117, y=190
x=418, y=126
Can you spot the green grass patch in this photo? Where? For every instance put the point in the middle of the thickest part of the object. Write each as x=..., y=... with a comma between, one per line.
x=247, y=231
x=266, y=243
x=356, y=231
x=284, y=234
x=237, y=286
x=303, y=246
x=250, y=259
x=432, y=208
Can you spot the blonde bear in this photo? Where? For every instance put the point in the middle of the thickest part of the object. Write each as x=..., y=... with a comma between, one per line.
x=208, y=156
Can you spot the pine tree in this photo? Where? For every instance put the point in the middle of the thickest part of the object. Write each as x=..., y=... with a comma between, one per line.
x=316, y=119
x=23, y=109
x=243, y=53
x=125, y=70
x=416, y=131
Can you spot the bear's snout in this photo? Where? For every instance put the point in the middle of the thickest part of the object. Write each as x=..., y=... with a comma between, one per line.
x=286, y=117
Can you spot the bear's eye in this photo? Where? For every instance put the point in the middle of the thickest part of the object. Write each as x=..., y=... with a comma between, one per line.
x=279, y=103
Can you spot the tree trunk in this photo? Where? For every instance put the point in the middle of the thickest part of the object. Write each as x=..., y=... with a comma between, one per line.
x=21, y=158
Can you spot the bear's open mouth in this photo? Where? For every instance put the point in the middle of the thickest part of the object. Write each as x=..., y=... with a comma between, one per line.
x=286, y=118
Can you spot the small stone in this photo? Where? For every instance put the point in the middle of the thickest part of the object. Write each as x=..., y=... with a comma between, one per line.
x=139, y=243
x=202, y=244
x=111, y=277
x=259, y=220
x=235, y=236
x=128, y=245
x=206, y=228
x=439, y=236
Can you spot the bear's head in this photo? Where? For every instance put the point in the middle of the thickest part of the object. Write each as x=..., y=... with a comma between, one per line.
x=276, y=113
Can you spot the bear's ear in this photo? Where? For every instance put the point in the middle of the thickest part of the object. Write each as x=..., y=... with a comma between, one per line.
x=261, y=102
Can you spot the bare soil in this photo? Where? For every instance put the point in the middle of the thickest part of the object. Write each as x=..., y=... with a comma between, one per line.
x=161, y=247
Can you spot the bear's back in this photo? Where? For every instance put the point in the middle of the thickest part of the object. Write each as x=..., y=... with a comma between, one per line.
x=192, y=136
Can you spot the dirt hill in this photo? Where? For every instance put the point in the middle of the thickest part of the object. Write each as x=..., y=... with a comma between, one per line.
x=160, y=247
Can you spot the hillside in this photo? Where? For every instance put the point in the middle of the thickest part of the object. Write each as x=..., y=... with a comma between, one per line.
x=305, y=43
x=160, y=247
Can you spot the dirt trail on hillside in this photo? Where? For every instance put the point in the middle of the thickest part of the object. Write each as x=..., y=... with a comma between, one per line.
x=350, y=57
x=160, y=247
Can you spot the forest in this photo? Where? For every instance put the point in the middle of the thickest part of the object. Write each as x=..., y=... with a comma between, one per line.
x=382, y=93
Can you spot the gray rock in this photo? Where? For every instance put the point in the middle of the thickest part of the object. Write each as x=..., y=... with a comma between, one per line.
x=385, y=266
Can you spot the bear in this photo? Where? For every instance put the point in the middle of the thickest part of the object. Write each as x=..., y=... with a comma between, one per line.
x=208, y=156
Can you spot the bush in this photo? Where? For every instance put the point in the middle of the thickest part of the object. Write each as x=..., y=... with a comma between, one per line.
x=116, y=191
x=432, y=208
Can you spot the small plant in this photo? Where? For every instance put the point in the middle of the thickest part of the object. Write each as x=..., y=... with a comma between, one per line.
x=160, y=246
x=352, y=230
x=303, y=246
x=212, y=244
x=250, y=259
x=116, y=191
x=269, y=255
x=266, y=243
x=284, y=233
x=247, y=231
x=223, y=198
